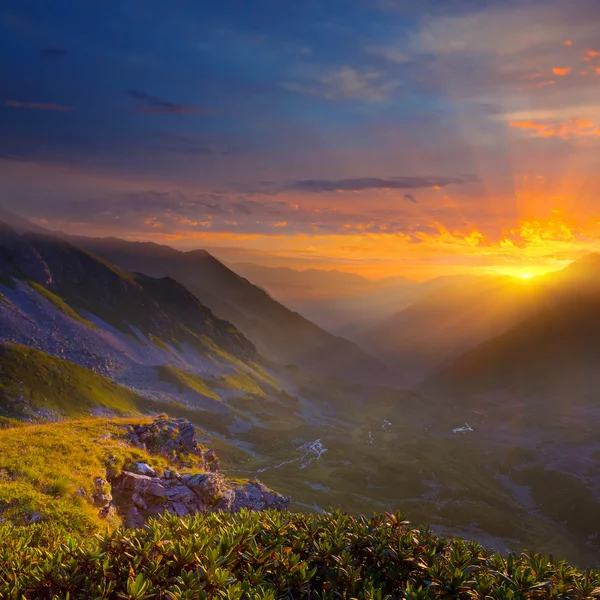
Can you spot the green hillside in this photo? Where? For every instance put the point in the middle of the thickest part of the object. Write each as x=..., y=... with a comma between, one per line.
x=43, y=467
x=34, y=383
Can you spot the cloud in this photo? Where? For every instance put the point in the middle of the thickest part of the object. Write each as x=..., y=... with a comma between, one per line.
x=182, y=144
x=561, y=72
x=370, y=183
x=563, y=129
x=484, y=31
x=388, y=53
x=55, y=52
x=410, y=198
x=37, y=105
x=157, y=106
x=347, y=83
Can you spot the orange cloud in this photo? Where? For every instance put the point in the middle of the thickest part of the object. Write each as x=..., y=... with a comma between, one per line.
x=592, y=53
x=568, y=43
x=561, y=72
x=563, y=130
x=36, y=105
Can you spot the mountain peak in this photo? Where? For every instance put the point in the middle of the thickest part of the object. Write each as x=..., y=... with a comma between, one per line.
x=585, y=267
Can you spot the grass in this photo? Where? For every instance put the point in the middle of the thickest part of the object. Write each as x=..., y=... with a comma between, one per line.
x=182, y=379
x=59, y=303
x=241, y=381
x=31, y=380
x=44, y=465
x=159, y=343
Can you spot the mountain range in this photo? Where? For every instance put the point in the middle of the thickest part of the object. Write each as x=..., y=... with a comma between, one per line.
x=343, y=303
x=279, y=334
x=495, y=441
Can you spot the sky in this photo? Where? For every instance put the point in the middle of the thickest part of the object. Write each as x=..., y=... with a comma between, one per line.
x=382, y=137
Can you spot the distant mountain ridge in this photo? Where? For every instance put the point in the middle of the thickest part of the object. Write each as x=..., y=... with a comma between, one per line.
x=340, y=302
x=157, y=307
x=279, y=333
x=555, y=349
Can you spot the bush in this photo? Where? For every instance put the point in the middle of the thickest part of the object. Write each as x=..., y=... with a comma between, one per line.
x=268, y=555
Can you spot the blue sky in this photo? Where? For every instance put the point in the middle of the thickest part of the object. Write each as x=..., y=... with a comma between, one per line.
x=283, y=130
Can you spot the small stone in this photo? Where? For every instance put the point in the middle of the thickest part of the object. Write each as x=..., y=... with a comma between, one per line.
x=145, y=469
x=108, y=511
x=100, y=483
x=81, y=492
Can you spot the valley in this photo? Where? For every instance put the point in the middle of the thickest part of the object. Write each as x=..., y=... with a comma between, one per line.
x=512, y=467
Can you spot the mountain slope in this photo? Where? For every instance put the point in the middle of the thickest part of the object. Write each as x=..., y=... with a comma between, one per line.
x=33, y=383
x=279, y=334
x=555, y=350
x=342, y=303
x=160, y=308
x=452, y=319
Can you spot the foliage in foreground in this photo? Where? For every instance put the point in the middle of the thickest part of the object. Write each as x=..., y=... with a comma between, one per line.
x=276, y=555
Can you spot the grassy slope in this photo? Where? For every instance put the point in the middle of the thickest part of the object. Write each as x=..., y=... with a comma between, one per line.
x=182, y=379
x=44, y=465
x=59, y=303
x=31, y=380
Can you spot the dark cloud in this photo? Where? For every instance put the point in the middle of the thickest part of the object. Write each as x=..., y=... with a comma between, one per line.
x=55, y=52
x=373, y=183
x=37, y=105
x=157, y=106
x=410, y=198
x=179, y=212
x=181, y=144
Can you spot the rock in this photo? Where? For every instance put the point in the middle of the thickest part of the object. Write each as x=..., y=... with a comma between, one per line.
x=81, y=492
x=134, y=481
x=108, y=511
x=181, y=493
x=139, y=501
x=166, y=436
x=100, y=483
x=180, y=509
x=145, y=469
x=35, y=517
x=157, y=489
x=102, y=499
x=208, y=486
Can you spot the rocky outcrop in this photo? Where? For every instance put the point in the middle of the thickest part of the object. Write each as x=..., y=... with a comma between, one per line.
x=171, y=438
x=140, y=497
x=140, y=492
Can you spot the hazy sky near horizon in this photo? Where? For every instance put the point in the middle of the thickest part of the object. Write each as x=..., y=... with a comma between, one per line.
x=377, y=136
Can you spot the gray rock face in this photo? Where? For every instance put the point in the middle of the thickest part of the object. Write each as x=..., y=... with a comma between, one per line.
x=171, y=437
x=140, y=497
x=144, y=494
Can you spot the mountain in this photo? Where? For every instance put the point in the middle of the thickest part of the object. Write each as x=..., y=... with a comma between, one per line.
x=456, y=316
x=162, y=308
x=279, y=333
x=342, y=303
x=555, y=350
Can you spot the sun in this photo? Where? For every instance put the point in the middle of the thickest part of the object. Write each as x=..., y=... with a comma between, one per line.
x=525, y=275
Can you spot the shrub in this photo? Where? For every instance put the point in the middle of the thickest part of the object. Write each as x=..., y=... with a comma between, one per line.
x=276, y=555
